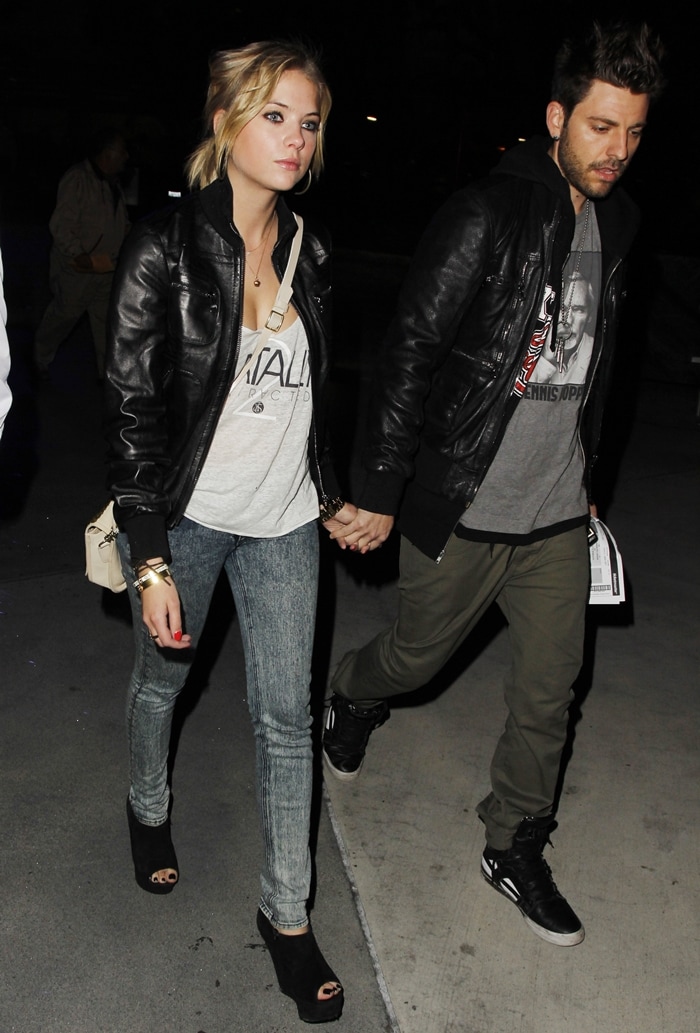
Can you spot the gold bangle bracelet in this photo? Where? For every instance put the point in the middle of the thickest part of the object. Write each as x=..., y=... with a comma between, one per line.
x=152, y=576
x=329, y=507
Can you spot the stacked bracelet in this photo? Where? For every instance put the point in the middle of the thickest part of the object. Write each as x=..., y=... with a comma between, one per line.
x=151, y=576
x=329, y=507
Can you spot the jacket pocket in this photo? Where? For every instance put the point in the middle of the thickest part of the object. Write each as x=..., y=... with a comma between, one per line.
x=193, y=313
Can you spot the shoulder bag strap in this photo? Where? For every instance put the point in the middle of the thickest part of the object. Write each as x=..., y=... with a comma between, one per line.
x=279, y=309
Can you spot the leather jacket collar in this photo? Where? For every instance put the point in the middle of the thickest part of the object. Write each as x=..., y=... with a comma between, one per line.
x=217, y=204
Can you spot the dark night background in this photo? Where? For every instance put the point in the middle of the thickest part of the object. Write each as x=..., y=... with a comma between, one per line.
x=450, y=83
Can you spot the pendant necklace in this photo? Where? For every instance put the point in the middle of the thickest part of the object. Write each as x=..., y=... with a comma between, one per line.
x=564, y=327
x=263, y=242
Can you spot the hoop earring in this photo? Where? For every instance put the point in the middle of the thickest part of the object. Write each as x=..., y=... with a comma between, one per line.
x=304, y=189
x=223, y=164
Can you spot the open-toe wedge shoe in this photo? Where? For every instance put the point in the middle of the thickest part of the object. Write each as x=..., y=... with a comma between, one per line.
x=152, y=850
x=301, y=972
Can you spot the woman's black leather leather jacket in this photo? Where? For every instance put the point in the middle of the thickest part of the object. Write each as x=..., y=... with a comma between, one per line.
x=465, y=318
x=173, y=338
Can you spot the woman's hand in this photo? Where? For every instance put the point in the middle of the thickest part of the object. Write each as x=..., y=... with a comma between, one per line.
x=365, y=533
x=160, y=608
x=341, y=519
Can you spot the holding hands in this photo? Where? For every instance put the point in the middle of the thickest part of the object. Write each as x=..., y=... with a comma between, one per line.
x=358, y=529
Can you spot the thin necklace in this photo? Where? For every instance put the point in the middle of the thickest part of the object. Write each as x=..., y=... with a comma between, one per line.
x=565, y=329
x=256, y=276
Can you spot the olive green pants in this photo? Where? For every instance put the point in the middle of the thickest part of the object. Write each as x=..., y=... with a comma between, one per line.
x=542, y=590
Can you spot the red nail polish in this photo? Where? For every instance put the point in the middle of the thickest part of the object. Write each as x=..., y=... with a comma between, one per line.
x=177, y=635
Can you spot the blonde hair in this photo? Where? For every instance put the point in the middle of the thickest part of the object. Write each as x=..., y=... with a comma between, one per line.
x=241, y=83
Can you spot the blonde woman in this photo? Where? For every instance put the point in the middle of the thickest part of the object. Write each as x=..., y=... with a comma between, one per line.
x=211, y=473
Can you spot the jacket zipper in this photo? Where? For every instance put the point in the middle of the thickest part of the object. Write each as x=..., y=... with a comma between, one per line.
x=603, y=334
x=556, y=219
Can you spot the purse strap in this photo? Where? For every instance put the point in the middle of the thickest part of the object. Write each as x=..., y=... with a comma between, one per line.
x=281, y=304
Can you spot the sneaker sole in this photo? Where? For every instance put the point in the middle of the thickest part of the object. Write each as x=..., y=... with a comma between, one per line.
x=559, y=939
x=342, y=776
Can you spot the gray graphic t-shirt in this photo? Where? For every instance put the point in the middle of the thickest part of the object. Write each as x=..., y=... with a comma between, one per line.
x=536, y=478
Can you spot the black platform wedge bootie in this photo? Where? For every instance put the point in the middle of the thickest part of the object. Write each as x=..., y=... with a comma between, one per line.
x=301, y=972
x=151, y=850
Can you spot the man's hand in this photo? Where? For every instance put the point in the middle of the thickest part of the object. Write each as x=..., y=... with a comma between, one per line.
x=97, y=263
x=365, y=533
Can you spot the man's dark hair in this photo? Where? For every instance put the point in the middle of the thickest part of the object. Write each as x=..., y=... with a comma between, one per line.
x=621, y=54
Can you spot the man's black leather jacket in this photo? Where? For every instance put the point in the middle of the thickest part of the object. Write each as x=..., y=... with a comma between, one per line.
x=467, y=310
x=174, y=333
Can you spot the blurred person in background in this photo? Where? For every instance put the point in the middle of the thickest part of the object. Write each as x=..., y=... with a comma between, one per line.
x=88, y=227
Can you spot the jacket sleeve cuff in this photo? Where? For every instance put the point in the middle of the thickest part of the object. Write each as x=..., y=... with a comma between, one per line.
x=147, y=536
x=381, y=493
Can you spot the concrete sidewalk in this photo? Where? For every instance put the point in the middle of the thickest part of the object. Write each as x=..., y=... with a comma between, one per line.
x=456, y=956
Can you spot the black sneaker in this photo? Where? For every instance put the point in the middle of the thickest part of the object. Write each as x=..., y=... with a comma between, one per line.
x=522, y=875
x=346, y=734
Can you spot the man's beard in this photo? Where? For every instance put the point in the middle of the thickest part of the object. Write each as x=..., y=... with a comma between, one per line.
x=578, y=175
